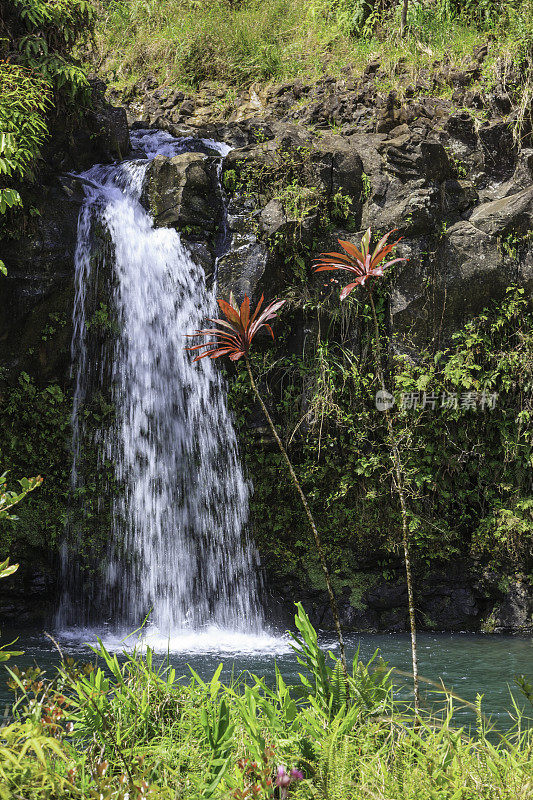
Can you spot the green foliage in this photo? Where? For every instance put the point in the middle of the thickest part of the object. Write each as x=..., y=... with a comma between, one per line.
x=8, y=499
x=37, y=434
x=128, y=727
x=277, y=174
x=24, y=101
x=468, y=469
x=7, y=569
x=341, y=208
x=490, y=506
x=298, y=201
x=37, y=77
x=41, y=34
x=36, y=424
x=240, y=43
x=366, y=692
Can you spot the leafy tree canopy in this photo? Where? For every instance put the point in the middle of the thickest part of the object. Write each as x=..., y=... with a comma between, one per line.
x=38, y=75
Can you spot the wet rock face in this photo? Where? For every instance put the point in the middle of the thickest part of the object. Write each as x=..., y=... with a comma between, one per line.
x=27, y=598
x=99, y=135
x=184, y=193
x=457, y=191
x=459, y=194
x=181, y=191
x=39, y=247
x=39, y=285
x=514, y=614
x=448, y=599
x=465, y=226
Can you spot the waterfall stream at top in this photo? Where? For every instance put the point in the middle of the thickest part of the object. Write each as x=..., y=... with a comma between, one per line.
x=178, y=548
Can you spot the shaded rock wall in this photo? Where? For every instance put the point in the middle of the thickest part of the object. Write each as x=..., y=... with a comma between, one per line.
x=38, y=244
x=458, y=191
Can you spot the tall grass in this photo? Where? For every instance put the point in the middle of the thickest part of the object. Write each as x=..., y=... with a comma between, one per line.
x=186, y=42
x=131, y=728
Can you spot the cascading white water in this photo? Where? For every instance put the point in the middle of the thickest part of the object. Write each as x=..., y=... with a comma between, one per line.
x=178, y=547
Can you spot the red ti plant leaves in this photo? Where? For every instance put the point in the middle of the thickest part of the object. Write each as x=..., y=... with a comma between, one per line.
x=234, y=335
x=361, y=263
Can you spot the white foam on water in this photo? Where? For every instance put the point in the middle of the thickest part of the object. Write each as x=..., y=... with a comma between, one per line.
x=210, y=641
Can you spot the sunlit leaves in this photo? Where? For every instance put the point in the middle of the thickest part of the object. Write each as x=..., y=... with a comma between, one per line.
x=38, y=73
x=361, y=262
x=9, y=499
x=233, y=336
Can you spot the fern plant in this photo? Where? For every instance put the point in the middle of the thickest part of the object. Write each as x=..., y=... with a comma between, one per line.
x=366, y=691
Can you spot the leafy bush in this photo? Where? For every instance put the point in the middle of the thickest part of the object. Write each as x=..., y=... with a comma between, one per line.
x=130, y=728
x=37, y=77
x=41, y=35
x=469, y=470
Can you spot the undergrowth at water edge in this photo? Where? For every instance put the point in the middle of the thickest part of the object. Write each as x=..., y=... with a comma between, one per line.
x=129, y=727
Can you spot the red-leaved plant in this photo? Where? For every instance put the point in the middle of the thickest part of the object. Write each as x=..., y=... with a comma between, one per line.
x=366, y=265
x=359, y=262
x=233, y=337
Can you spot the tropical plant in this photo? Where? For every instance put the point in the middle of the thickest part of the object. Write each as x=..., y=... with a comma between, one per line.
x=24, y=101
x=366, y=265
x=361, y=263
x=7, y=569
x=8, y=498
x=366, y=690
x=38, y=75
x=234, y=338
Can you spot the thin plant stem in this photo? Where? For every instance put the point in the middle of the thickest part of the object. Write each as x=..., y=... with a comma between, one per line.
x=403, y=18
x=400, y=488
x=316, y=535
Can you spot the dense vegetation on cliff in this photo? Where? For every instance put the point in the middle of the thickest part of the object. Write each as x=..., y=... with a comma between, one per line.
x=469, y=469
x=238, y=43
x=38, y=78
x=429, y=132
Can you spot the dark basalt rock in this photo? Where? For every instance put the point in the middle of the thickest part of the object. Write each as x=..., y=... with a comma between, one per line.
x=180, y=192
x=453, y=192
x=39, y=284
x=99, y=135
x=183, y=192
x=447, y=599
x=514, y=614
x=499, y=148
x=40, y=255
x=456, y=191
x=27, y=598
x=510, y=214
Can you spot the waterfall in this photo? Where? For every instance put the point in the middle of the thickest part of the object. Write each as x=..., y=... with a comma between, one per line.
x=178, y=546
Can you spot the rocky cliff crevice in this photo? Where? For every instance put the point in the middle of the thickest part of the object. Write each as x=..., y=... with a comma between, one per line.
x=310, y=164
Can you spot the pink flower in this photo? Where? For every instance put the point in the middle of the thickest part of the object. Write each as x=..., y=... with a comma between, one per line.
x=297, y=774
x=284, y=779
